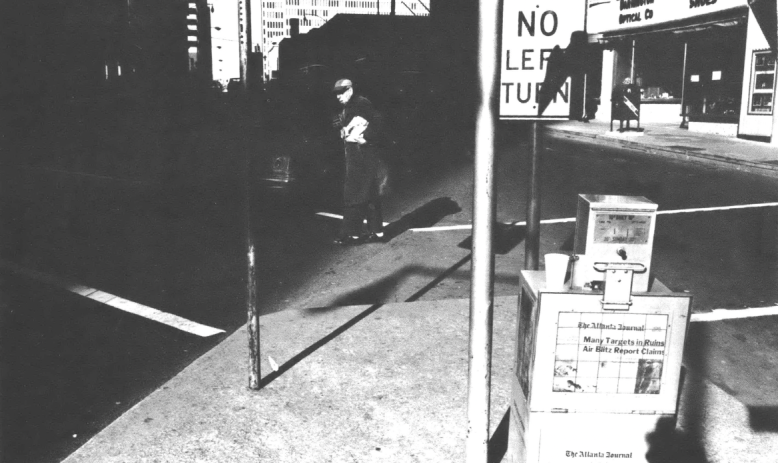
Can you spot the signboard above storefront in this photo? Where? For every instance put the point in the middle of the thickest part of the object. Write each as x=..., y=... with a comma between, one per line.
x=614, y=15
x=530, y=31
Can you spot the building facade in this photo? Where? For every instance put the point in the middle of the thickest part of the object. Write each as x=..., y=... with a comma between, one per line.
x=198, y=24
x=702, y=63
x=280, y=18
x=83, y=48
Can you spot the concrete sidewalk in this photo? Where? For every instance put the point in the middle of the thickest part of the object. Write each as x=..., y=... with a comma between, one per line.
x=668, y=140
x=388, y=383
x=383, y=383
x=354, y=384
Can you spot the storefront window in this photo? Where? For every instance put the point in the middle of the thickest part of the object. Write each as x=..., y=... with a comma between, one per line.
x=714, y=76
x=659, y=68
x=762, y=83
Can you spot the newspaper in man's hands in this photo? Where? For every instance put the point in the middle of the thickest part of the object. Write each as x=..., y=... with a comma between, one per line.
x=354, y=130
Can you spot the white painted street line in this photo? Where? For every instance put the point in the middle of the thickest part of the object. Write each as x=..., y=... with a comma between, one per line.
x=163, y=317
x=332, y=216
x=442, y=228
x=340, y=217
x=572, y=219
x=116, y=302
x=719, y=208
x=732, y=314
x=468, y=227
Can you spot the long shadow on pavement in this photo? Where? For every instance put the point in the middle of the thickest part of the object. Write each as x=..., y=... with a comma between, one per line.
x=343, y=328
x=425, y=216
x=505, y=238
x=498, y=443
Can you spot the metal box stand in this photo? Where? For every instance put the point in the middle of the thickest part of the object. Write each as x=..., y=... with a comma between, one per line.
x=591, y=382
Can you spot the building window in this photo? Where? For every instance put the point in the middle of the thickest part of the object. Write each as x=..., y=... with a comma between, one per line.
x=762, y=83
x=714, y=73
x=658, y=67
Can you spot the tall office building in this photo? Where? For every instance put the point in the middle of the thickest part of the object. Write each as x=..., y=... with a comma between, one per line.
x=276, y=16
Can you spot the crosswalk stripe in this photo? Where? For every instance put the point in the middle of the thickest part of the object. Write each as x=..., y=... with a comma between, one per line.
x=572, y=219
x=116, y=302
x=733, y=314
x=339, y=217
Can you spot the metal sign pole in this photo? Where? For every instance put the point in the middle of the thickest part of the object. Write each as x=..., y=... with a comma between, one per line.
x=532, y=240
x=482, y=276
x=684, y=123
x=252, y=326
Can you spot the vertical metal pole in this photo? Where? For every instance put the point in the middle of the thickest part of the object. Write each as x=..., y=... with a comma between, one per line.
x=255, y=373
x=244, y=20
x=632, y=64
x=684, y=124
x=583, y=116
x=532, y=240
x=482, y=274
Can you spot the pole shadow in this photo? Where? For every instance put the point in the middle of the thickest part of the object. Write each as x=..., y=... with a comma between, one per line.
x=379, y=291
x=498, y=443
x=346, y=326
x=317, y=345
x=669, y=442
x=422, y=217
x=505, y=238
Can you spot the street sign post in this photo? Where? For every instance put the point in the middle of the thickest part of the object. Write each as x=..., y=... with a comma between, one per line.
x=482, y=274
x=252, y=324
x=530, y=31
x=533, y=34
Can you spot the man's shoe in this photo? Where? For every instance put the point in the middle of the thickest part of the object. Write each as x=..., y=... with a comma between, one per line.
x=350, y=240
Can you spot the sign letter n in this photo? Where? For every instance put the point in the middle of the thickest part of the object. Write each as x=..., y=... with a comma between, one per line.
x=529, y=24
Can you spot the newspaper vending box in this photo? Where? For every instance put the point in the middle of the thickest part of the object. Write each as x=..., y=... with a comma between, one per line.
x=613, y=229
x=597, y=368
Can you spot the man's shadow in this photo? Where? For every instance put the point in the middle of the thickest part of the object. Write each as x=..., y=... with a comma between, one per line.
x=668, y=444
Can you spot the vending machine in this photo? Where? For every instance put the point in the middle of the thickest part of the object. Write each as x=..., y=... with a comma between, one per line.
x=597, y=369
x=613, y=229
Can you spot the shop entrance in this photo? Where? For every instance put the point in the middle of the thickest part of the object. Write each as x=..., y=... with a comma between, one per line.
x=654, y=63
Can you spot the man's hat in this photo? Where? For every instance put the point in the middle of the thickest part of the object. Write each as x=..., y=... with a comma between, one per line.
x=342, y=85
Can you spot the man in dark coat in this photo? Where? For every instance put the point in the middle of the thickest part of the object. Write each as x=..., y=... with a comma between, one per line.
x=362, y=130
x=626, y=97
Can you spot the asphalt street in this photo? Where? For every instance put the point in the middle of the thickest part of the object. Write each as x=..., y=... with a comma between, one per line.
x=72, y=364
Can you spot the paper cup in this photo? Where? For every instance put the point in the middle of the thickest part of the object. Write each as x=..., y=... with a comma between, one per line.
x=556, y=270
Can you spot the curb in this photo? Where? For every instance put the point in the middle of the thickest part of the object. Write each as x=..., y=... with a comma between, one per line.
x=739, y=165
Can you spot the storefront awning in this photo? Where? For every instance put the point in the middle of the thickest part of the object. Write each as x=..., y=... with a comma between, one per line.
x=767, y=16
x=728, y=18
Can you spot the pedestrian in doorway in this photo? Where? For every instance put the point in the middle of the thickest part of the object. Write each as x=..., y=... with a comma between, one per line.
x=362, y=131
x=624, y=95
